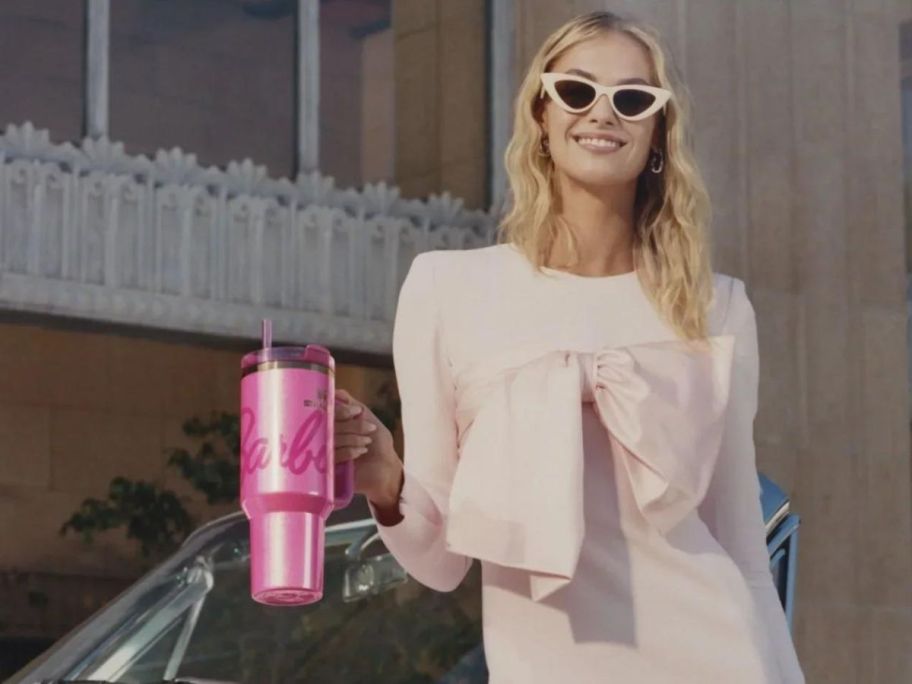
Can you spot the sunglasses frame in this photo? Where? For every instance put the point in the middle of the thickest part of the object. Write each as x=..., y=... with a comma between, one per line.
x=549, y=81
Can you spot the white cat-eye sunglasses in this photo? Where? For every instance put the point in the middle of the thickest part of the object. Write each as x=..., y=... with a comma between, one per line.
x=577, y=94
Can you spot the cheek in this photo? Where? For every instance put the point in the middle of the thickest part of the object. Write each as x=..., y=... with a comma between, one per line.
x=558, y=123
x=640, y=146
x=638, y=150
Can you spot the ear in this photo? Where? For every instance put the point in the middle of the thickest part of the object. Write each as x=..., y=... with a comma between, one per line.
x=540, y=112
x=543, y=121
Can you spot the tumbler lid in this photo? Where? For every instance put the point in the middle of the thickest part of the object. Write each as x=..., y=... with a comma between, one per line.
x=286, y=557
x=307, y=355
x=312, y=356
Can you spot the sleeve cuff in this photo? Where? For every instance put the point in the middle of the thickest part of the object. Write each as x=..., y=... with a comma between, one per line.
x=421, y=521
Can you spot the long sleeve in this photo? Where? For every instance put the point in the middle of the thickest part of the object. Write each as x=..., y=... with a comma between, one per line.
x=731, y=508
x=426, y=393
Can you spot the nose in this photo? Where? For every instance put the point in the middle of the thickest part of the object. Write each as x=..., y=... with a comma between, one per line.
x=602, y=110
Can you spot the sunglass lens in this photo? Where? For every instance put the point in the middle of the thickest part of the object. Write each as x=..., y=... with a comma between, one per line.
x=631, y=102
x=576, y=95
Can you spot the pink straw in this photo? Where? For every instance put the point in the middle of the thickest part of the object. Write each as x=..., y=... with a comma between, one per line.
x=267, y=333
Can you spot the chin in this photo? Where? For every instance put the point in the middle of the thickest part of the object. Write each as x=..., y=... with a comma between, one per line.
x=600, y=179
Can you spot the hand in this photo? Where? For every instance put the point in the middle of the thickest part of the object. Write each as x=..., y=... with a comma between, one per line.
x=362, y=437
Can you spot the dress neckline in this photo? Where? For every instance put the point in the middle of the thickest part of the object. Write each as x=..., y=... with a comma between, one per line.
x=574, y=277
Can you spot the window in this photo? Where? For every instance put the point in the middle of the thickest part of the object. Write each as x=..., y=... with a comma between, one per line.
x=41, y=50
x=214, y=78
x=357, y=91
x=218, y=79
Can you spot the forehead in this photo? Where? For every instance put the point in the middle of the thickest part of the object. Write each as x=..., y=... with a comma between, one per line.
x=609, y=59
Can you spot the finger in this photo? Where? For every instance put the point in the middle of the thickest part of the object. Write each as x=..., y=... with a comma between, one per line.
x=346, y=404
x=346, y=439
x=349, y=454
x=355, y=427
x=350, y=439
x=361, y=424
x=361, y=428
x=347, y=412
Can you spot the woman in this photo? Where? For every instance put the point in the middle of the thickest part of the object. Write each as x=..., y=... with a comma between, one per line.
x=578, y=399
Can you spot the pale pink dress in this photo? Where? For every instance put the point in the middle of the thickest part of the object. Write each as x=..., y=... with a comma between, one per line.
x=602, y=472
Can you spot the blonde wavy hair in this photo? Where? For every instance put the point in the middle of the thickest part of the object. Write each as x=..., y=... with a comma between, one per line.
x=671, y=210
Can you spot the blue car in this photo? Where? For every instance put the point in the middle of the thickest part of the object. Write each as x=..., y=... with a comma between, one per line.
x=191, y=619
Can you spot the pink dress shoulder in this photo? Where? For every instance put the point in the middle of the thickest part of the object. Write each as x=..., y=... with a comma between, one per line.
x=601, y=471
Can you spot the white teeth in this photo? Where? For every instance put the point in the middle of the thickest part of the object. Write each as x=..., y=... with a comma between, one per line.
x=599, y=142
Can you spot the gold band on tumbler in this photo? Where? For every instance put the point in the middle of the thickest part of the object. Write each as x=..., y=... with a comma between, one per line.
x=269, y=365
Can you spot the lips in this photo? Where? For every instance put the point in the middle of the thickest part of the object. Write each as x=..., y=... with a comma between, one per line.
x=600, y=136
x=598, y=147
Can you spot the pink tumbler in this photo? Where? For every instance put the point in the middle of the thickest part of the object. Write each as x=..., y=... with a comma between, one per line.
x=288, y=484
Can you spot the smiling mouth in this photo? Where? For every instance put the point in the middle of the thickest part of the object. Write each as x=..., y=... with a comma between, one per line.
x=598, y=144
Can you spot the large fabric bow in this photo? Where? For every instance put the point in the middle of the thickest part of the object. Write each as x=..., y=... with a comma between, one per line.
x=517, y=493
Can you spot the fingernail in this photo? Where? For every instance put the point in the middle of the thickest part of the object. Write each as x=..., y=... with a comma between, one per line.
x=359, y=451
x=371, y=427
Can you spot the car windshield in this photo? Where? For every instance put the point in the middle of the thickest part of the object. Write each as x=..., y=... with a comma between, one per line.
x=194, y=620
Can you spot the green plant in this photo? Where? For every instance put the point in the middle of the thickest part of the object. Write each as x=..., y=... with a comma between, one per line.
x=214, y=468
x=154, y=517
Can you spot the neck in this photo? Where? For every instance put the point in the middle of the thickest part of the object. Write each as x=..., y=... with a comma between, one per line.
x=602, y=222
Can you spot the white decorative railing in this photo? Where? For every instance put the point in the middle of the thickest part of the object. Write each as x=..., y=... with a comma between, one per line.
x=90, y=231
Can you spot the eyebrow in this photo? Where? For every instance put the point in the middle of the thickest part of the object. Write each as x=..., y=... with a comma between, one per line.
x=592, y=77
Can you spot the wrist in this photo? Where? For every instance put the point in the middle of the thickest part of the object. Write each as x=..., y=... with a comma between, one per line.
x=388, y=497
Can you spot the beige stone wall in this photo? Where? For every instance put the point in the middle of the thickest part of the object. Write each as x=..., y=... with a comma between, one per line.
x=798, y=133
x=78, y=408
x=440, y=98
